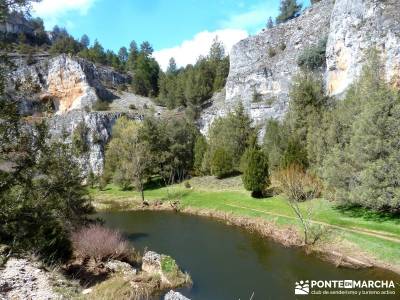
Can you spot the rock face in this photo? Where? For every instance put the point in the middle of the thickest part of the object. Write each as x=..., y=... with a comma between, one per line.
x=66, y=83
x=99, y=129
x=356, y=26
x=16, y=24
x=262, y=66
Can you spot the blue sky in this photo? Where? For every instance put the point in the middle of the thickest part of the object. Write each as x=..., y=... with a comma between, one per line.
x=183, y=28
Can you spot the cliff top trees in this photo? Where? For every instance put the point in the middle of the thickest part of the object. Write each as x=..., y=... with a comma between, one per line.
x=288, y=10
x=194, y=84
x=85, y=41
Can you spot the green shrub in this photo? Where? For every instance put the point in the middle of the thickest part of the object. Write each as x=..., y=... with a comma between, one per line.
x=101, y=105
x=221, y=163
x=257, y=97
x=79, y=138
x=271, y=52
x=314, y=57
x=200, y=148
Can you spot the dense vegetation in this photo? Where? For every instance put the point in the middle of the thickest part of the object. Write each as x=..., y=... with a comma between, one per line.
x=349, y=144
x=189, y=86
x=163, y=148
x=192, y=85
x=41, y=192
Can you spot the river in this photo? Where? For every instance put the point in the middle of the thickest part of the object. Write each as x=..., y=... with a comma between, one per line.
x=227, y=262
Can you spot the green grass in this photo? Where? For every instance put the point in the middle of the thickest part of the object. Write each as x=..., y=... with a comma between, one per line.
x=212, y=194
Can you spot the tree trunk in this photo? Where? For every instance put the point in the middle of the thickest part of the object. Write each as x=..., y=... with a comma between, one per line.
x=142, y=193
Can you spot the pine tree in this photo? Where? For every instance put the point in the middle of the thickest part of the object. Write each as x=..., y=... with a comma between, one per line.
x=289, y=9
x=85, y=41
x=172, y=68
x=270, y=23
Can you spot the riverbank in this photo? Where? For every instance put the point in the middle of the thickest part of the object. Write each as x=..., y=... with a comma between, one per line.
x=375, y=238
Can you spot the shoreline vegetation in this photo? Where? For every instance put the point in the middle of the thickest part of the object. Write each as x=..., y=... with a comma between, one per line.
x=362, y=239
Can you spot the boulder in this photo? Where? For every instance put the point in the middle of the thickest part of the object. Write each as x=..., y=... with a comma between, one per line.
x=172, y=295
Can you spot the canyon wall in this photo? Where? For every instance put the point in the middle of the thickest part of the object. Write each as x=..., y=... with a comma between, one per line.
x=262, y=66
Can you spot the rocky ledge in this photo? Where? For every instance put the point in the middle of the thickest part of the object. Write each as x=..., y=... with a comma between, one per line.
x=22, y=279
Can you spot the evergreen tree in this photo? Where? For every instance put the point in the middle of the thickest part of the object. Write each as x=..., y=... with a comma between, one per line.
x=123, y=55
x=254, y=167
x=133, y=54
x=231, y=135
x=363, y=165
x=270, y=23
x=85, y=41
x=288, y=10
x=221, y=163
x=172, y=68
x=200, y=149
x=146, y=48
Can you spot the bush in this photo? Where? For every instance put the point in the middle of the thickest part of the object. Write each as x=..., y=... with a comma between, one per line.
x=297, y=184
x=271, y=52
x=100, y=243
x=314, y=57
x=101, y=105
x=221, y=163
x=200, y=148
x=254, y=165
x=79, y=138
x=132, y=106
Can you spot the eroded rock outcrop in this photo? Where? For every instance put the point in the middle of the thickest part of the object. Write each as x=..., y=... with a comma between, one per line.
x=66, y=83
x=262, y=66
x=99, y=130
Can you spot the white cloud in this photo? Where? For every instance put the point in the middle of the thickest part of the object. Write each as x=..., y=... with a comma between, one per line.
x=253, y=19
x=51, y=10
x=188, y=51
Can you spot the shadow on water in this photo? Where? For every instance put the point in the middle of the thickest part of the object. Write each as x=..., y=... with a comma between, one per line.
x=136, y=236
x=355, y=211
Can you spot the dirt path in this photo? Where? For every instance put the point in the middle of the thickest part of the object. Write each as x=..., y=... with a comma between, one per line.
x=378, y=234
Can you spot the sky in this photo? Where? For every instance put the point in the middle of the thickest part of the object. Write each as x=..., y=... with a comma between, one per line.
x=183, y=29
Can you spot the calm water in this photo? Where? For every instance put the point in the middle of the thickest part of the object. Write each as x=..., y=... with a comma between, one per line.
x=226, y=262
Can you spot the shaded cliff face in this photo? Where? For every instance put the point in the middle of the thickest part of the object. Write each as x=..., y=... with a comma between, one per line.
x=262, y=66
x=68, y=82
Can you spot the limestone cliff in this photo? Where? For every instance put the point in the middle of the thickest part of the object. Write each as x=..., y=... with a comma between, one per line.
x=356, y=26
x=99, y=130
x=69, y=83
x=262, y=66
